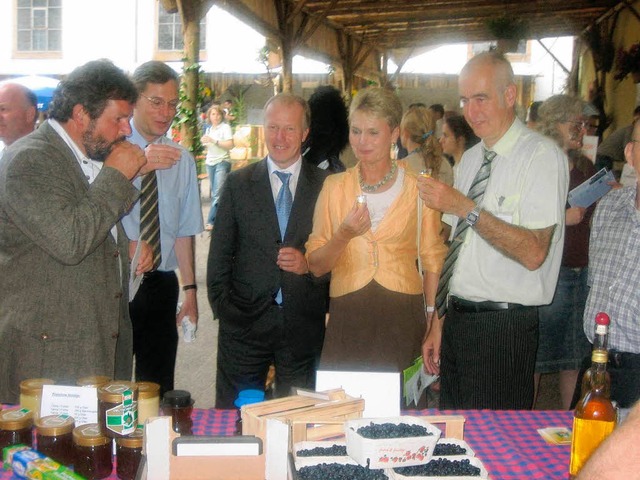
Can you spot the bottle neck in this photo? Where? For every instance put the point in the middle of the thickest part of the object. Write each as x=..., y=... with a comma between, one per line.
x=601, y=337
x=599, y=369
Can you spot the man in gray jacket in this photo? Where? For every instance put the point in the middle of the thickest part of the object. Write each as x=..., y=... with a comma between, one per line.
x=63, y=253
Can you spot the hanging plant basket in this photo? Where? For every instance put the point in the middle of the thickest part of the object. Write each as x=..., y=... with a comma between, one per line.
x=508, y=31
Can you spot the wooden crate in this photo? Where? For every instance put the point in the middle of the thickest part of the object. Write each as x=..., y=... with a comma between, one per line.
x=453, y=425
x=311, y=416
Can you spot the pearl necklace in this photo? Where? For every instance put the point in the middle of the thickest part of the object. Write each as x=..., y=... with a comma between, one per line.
x=372, y=188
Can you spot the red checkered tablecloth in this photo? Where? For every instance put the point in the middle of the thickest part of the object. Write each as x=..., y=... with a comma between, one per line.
x=507, y=442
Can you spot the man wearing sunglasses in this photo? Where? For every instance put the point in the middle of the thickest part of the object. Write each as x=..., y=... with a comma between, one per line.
x=164, y=223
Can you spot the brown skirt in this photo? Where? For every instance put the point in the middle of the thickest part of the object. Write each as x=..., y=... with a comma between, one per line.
x=373, y=329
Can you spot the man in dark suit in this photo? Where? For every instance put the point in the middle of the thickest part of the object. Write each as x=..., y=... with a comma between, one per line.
x=271, y=309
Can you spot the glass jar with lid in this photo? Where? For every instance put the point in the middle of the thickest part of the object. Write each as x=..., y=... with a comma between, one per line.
x=92, y=449
x=118, y=408
x=31, y=394
x=16, y=427
x=95, y=381
x=148, y=401
x=128, y=454
x=54, y=437
x=178, y=404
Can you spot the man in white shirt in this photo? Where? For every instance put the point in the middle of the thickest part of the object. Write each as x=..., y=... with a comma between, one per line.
x=508, y=255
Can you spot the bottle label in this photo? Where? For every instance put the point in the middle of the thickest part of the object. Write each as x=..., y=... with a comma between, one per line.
x=586, y=436
x=123, y=418
x=601, y=329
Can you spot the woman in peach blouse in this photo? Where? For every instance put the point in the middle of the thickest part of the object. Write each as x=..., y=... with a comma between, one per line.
x=365, y=232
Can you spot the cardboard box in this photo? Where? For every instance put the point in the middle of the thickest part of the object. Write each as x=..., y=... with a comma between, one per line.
x=393, y=475
x=390, y=452
x=311, y=461
x=162, y=464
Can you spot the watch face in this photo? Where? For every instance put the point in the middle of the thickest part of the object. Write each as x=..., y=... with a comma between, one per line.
x=472, y=217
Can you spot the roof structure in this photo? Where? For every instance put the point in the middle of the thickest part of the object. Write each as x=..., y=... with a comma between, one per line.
x=399, y=24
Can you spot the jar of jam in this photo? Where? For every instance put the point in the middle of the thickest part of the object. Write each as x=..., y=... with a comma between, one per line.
x=128, y=454
x=92, y=452
x=54, y=436
x=31, y=394
x=148, y=401
x=95, y=381
x=15, y=427
x=118, y=408
x=178, y=404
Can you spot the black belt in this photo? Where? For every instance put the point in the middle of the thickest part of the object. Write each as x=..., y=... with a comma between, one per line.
x=624, y=359
x=467, y=306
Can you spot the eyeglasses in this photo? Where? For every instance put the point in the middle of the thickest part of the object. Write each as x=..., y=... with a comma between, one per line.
x=578, y=124
x=159, y=103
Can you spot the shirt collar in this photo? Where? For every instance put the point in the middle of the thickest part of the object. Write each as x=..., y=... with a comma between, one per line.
x=506, y=143
x=80, y=156
x=293, y=169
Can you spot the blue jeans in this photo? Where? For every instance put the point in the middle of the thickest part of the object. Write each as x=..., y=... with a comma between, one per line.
x=217, y=175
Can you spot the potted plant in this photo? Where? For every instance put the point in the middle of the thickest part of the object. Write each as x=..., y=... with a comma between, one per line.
x=508, y=31
x=628, y=62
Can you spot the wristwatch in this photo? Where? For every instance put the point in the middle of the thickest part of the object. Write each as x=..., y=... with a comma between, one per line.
x=473, y=215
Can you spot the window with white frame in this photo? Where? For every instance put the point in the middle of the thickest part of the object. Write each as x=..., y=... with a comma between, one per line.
x=170, y=31
x=39, y=25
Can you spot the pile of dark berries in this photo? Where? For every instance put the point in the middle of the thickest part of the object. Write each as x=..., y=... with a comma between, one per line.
x=392, y=430
x=444, y=449
x=441, y=467
x=337, y=471
x=332, y=451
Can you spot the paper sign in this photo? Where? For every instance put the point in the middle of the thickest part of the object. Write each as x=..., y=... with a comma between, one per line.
x=135, y=280
x=590, y=147
x=79, y=402
x=380, y=390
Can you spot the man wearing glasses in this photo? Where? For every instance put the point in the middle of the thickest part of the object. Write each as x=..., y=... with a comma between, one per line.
x=164, y=222
x=614, y=278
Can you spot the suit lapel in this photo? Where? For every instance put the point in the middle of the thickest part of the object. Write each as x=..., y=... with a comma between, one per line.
x=261, y=192
x=301, y=198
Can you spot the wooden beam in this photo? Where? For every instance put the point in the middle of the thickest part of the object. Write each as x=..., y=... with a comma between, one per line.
x=170, y=6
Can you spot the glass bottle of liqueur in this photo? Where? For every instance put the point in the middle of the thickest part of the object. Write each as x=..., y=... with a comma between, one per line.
x=594, y=417
x=600, y=339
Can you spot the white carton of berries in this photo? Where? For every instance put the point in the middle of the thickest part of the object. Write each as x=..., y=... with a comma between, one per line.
x=320, y=452
x=390, y=442
x=468, y=468
x=453, y=447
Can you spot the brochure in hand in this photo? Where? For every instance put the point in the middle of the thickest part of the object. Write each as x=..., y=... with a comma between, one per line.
x=591, y=190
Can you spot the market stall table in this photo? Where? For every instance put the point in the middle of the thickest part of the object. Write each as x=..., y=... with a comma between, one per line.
x=507, y=442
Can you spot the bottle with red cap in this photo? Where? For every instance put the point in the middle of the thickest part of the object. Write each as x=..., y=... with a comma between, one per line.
x=595, y=415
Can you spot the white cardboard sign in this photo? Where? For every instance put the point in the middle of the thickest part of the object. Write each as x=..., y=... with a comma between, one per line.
x=380, y=390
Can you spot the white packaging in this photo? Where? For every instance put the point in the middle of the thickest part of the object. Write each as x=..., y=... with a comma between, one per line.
x=390, y=452
x=188, y=329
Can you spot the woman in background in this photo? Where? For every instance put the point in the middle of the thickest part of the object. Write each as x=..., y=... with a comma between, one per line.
x=457, y=137
x=329, y=129
x=365, y=230
x=218, y=140
x=417, y=132
x=562, y=343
